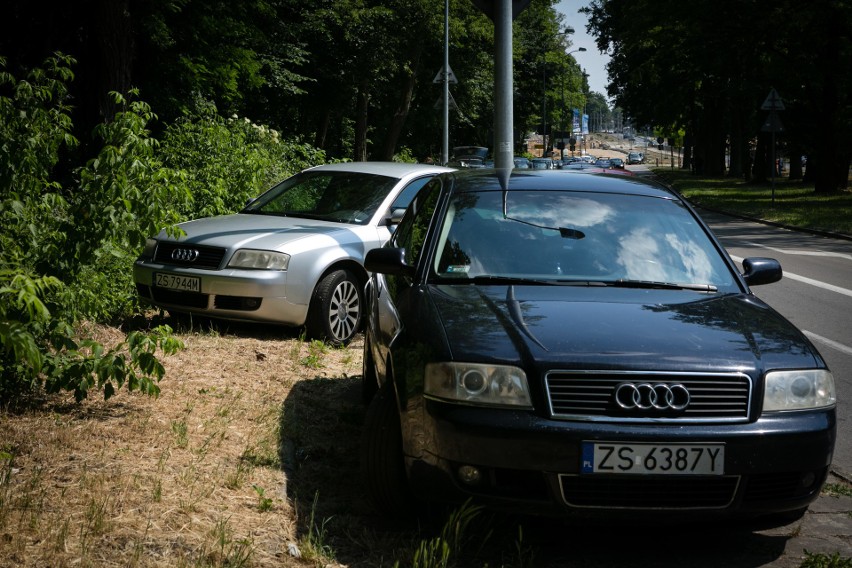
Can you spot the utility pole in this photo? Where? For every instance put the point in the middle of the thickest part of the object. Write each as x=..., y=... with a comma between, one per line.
x=502, y=12
x=445, y=149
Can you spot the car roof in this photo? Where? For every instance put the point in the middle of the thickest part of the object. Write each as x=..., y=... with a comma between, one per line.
x=390, y=169
x=560, y=180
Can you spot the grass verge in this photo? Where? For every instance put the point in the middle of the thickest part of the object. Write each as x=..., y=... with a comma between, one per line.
x=794, y=203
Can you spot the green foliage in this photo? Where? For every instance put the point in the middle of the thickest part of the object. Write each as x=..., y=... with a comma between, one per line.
x=813, y=560
x=67, y=247
x=226, y=162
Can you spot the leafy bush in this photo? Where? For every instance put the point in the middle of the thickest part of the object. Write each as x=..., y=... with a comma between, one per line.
x=55, y=238
x=226, y=162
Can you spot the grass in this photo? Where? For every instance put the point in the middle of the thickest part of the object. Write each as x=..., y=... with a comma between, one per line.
x=794, y=203
x=250, y=458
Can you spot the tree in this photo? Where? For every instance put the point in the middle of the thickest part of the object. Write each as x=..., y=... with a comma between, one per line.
x=706, y=67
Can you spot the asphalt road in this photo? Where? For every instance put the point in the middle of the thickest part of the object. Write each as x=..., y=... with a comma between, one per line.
x=815, y=294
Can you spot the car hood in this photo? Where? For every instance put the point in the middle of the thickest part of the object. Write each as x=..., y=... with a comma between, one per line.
x=619, y=328
x=266, y=232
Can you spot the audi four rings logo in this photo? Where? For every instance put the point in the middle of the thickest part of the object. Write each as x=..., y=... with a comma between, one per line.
x=647, y=396
x=185, y=255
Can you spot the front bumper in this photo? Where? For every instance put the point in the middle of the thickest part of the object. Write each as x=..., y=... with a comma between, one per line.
x=529, y=464
x=237, y=295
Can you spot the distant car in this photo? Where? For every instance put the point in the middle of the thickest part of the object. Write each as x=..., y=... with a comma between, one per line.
x=616, y=163
x=293, y=256
x=634, y=158
x=468, y=157
x=603, y=163
x=582, y=345
x=522, y=163
x=542, y=164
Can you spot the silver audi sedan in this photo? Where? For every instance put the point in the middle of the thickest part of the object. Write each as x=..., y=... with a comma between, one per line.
x=293, y=256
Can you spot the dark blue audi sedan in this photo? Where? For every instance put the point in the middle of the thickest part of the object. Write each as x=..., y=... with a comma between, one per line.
x=576, y=344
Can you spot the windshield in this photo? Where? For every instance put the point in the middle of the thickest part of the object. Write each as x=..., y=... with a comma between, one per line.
x=343, y=197
x=564, y=237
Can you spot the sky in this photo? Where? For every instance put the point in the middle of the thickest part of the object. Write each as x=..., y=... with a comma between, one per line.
x=591, y=60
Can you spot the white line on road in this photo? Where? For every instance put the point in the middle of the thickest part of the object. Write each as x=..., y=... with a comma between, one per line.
x=811, y=281
x=802, y=252
x=833, y=344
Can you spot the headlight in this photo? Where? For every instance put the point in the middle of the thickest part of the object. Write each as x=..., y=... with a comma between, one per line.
x=472, y=383
x=150, y=248
x=798, y=390
x=260, y=259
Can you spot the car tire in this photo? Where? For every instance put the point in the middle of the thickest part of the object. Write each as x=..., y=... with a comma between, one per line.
x=369, y=380
x=336, y=308
x=382, y=464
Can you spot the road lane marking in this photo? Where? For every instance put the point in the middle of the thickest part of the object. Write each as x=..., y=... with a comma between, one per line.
x=802, y=252
x=811, y=281
x=833, y=344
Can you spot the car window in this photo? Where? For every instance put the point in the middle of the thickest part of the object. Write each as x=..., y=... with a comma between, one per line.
x=411, y=232
x=408, y=193
x=580, y=236
x=345, y=197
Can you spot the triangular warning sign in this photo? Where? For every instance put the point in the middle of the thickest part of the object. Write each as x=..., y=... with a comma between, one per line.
x=773, y=101
x=451, y=77
x=439, y=104
x=772, y=123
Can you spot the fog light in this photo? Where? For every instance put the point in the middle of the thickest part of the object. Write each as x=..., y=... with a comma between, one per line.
x=808, y=480
x=469, y=475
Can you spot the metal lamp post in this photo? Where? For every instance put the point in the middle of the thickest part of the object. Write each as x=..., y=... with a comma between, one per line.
x=562, y=114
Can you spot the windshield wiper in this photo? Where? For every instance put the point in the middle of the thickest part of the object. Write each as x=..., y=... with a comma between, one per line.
x=649, y=284
x=488, y=278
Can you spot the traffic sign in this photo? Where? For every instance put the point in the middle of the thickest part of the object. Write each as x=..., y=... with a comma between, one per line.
x=440, y=103
x=773, y=102
x=772, y=123
x=451, y=77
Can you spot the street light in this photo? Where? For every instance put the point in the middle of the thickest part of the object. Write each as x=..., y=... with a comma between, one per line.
x=562, y=114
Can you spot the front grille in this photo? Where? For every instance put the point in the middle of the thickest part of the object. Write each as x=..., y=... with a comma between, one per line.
x=209, y=258
x=629, y=492
x=590, y=395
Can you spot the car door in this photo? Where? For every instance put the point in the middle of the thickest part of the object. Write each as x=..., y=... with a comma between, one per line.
x=386, y=291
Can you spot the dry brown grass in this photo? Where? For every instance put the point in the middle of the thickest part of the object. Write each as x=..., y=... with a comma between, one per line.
x=193, y=478
x=249, y=455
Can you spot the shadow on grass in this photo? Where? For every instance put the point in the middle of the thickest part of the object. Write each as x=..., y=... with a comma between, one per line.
x=320, y=432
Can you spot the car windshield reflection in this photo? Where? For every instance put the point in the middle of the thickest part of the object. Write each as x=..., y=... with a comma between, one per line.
x=561, y=237
x=343, y=197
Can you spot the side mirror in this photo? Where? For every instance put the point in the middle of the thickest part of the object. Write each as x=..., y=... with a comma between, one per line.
x=760, y=270
x=395, y=216
x=388, y=261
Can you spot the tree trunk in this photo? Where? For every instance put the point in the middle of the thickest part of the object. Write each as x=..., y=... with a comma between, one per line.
x=114, y=36
x=401, y=113
x=362, y=106
x=795, y=160
x=762, y=156
x=322, y=131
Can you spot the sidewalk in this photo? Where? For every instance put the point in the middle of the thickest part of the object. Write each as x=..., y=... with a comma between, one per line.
x=825, y=529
